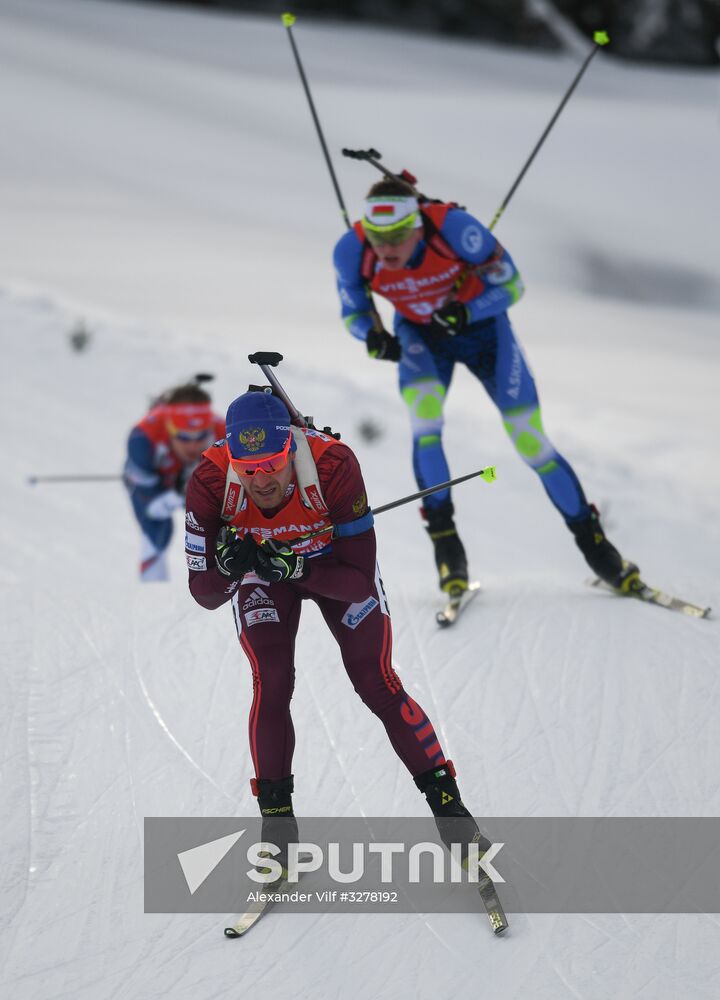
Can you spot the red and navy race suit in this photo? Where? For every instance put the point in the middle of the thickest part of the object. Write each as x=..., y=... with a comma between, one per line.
x=151, y=468
x=459, y=258
x=345, y=584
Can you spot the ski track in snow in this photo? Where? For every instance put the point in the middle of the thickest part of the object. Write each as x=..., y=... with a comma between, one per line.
x=144, y=188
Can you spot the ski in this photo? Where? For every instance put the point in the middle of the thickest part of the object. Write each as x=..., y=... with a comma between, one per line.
x=258, y=909
x=651, y=595
x=456, y=604
x=486, y=891
x=493, y=906
x=247, y=920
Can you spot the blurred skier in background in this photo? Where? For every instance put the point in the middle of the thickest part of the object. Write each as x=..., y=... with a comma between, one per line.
x=451, y=284
x=162, y=451
x=252, y=500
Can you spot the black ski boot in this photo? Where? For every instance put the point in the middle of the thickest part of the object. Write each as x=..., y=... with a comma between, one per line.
x=602, y=557
x=454, y=822
x=457, y=826
x=279, y=826
x=450, y=557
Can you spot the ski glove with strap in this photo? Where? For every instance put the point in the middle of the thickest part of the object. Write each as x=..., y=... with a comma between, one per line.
x=383, y=346
x=450, y=319
x=234, y=556
x=277, y=563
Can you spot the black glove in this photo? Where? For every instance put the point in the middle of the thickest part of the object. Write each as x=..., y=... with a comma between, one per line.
x=450, y=319
x=234, y=556
x=383, y=346
x=276, y=562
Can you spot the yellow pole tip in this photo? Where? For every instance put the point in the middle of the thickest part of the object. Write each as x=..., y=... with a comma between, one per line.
x=601, y=38
x=490, y=475
x=288, y=20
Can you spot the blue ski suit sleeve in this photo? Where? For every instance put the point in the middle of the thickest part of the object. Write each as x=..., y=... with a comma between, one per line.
x=475, y=244
x=356, y=304
x=141, y=478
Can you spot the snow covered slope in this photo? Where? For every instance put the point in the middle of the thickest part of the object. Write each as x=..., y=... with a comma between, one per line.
x=159, y=177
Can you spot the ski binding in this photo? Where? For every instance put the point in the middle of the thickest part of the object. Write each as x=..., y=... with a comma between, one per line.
x=651, y=595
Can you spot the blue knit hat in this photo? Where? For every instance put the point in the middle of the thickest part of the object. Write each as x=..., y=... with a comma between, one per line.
x=257, y=423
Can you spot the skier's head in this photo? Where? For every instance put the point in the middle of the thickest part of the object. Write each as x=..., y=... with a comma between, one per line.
x=392, y=222
x=260, y=446
x=188, y=418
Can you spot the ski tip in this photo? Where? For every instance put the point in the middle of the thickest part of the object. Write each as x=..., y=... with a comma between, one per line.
x=230, y=932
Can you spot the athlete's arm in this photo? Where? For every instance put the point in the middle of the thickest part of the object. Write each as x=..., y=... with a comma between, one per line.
x=205, y=493
x=473, y=243
x=141, y=478
x=356, y=307
x=348, y=572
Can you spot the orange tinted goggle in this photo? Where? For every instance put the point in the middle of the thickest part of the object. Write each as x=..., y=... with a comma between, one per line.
x=269, y=464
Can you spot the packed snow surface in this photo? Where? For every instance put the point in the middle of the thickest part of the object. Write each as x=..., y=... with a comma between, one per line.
x=160, y=181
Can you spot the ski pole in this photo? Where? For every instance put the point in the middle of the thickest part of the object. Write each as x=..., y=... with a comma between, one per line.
x=267, y=360
x=489, y=475
x=91, y=478
x=373, y=157
x=289, y=20
x=600, y=38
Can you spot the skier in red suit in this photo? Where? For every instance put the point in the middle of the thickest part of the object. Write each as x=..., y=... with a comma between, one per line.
x=163, y=449
x=250, y=501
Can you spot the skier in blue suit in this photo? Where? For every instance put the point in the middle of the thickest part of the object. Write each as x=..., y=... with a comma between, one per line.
x=451, y=284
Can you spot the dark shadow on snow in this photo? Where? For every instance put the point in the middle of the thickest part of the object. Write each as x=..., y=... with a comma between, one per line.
x=645, y=281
